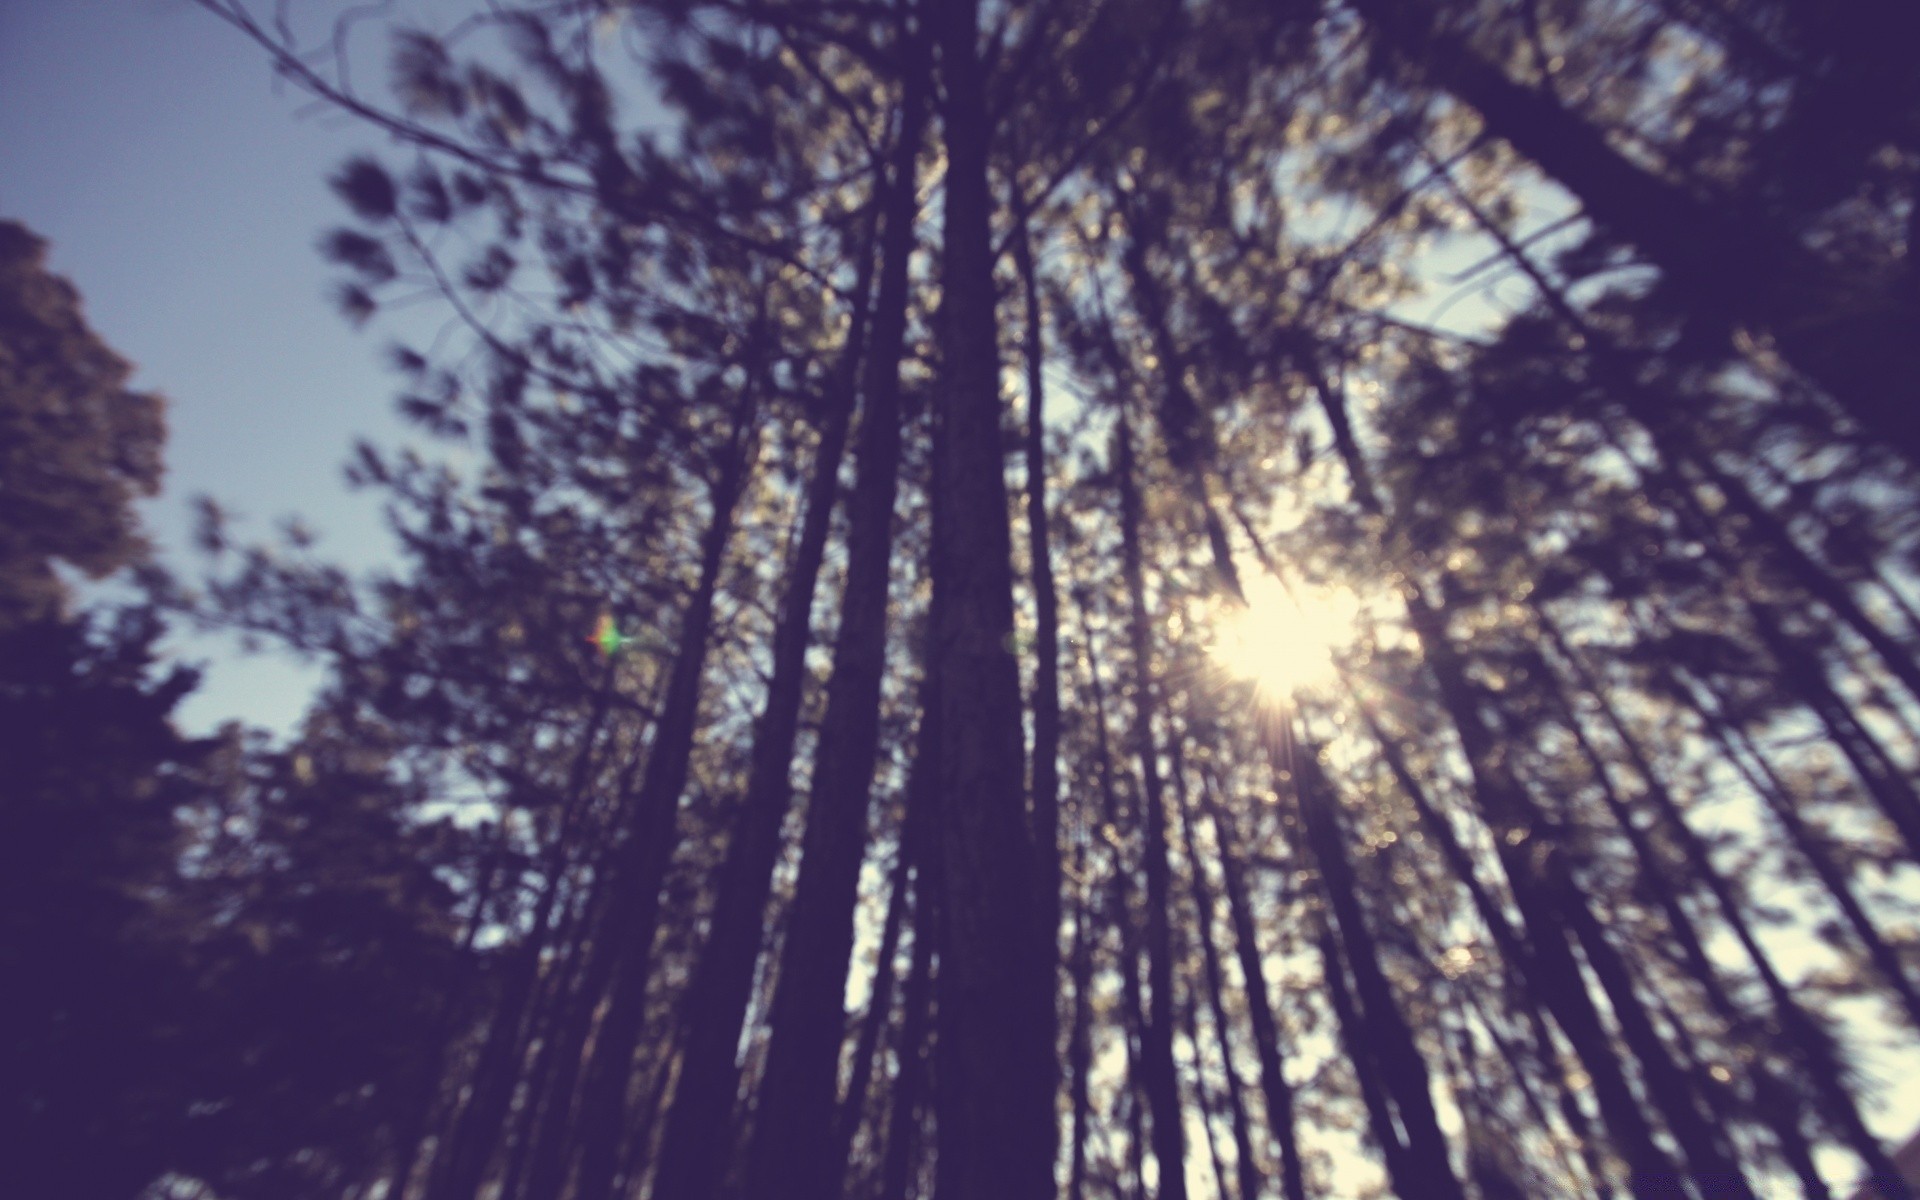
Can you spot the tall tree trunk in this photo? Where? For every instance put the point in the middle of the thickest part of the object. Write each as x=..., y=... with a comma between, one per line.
x=1809, y=1044
x=996, y=1070
x=692, y=1149
x=869, y=1046
x=1133, y=1003
x=1553, y=909
x=790, y=1152
x=1281, y=1117
x=1384, y=1031
x=617, y=966
x=1724, y=256
x=1401, y=1173
x=1046, y=608
x=1044, y=787
x=905, y=1117
x=1080, y=1031
x=1759, y=775
x=1162, y=1082
x=1246, y=1155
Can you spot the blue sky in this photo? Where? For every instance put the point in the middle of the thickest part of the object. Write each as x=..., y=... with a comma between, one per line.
x=182, y=193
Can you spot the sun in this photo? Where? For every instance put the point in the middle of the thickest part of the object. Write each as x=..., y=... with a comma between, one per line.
x=1285, y=642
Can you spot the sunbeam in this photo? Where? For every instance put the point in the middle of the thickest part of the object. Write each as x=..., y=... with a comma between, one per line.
x=1284, y=642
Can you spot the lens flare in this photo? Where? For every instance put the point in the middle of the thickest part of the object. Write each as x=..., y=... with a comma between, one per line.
x=1285, y=643
x=608, y=637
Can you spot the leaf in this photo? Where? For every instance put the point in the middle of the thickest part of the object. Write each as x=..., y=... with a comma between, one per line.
x=407, y=361
x=367, y=188
x=423, y=76
x=469, y=190
x=359, y=253
x=431, y=201
x=356, y=303
x=492, y=271
x=367, y=467
x=209, y=525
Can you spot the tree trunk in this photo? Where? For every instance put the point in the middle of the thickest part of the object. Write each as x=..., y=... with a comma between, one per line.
x=1759, y=775
x=693, y=1146
x=868, y=1048
x=1045, y=783
x=1730, y=263
x=617, y=966
x=1080, y=1033
x=1550, y=905
x=1162, y=1083
x=1119, y=896
x=1046, y=609
x=1401, y=1173
x=1281, y=1118
x=1384, y=1031
x=1246, y=1155
x=722, y=983
x=791, y=1151
x=908, y=1101
x=1809, y=1044
x=995, y=1071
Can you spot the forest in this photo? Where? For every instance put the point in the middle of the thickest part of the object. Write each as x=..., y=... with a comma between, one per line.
x=1011, y=599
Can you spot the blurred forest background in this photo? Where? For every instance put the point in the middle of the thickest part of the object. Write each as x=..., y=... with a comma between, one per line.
x=1085, y=598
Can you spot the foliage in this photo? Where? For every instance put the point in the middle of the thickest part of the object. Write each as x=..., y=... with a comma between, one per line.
x=1566, y=337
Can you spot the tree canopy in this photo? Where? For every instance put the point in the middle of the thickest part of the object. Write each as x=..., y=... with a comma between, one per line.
x=1066, y=598
x=79, y=446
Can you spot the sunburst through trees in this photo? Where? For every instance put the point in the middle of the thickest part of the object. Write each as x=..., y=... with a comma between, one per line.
x=1285, y=642
x=1222, y=598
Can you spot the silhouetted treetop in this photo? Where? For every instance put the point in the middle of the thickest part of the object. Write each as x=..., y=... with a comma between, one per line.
x=77, y=446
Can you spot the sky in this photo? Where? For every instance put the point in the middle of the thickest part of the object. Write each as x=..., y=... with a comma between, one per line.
x=183, y=194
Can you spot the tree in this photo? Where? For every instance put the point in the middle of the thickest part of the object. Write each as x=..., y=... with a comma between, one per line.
x=93, y=766
x=80, y=445
x=1632, y=558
